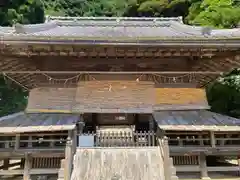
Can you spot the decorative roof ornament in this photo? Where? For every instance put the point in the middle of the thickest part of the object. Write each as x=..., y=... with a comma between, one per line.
x=206, y=31
x=19, y=28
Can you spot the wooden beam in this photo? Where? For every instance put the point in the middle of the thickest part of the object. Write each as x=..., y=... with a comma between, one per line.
x=112, y=72
x=31, y=172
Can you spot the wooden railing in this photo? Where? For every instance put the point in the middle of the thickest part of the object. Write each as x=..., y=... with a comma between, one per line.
x=41, y=143
x=204, y=142
x=121, y=139
x=54, y=162
x=185, y=160
x=169, y=169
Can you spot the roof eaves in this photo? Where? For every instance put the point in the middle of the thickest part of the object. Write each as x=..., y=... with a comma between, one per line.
x=147, y=41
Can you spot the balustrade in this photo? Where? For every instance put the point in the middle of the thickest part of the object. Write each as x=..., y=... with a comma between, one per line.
x=117, y=139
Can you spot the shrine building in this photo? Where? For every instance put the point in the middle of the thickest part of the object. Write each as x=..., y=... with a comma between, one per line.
x=117, y=98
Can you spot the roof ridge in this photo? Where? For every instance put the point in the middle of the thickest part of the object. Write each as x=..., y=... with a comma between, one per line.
x=31, y=28
x=63, y=18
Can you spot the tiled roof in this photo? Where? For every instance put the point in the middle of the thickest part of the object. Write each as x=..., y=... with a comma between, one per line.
x=117, y=29
x=195, y=120
x=22, y=122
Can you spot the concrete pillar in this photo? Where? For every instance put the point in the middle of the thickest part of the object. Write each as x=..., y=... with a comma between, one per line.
x=27, y=167
x=203, y=166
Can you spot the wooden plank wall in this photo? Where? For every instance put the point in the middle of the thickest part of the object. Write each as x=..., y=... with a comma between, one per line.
x=114, y=94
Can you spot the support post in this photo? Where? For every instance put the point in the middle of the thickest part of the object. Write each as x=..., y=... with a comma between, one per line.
x=151, y=123
x=203, y=166
x=27, y=167
x=201, y=142
x=7, y=144
x=238, y=159
x=74, y=138
x=6, y=163
x=30, y=144
x=167, y=168
x=17, y=142
x=52, y=143
x=68, y=158
x=212, y=139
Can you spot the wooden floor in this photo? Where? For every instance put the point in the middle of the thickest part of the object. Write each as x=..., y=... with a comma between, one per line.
x=118, y=164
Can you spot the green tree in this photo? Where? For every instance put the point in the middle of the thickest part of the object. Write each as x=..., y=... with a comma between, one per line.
x=12, y=98
x=224, y=94
x=214, y=13
x=22, y=11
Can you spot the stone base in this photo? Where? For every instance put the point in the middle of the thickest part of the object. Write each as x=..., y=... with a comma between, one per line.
x=205, y=178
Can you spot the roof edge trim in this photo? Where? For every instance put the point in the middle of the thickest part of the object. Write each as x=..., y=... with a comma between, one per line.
x=62, y=18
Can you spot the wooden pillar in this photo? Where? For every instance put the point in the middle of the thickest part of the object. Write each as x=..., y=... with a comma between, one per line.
x=74, y=138
x=27, y=167
x=167, y=164
x=52, y=143
x=201, y=142
x=151, y=123
x=30, y=144
x=22, y=163
x=6, y=163
x=17, y=142
x=68, y=159
x=7, y=144
x=203, y=166
x=212, y=139
x=238, y=159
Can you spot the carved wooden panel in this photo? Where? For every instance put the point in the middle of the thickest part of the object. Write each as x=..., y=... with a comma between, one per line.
x=117, y=118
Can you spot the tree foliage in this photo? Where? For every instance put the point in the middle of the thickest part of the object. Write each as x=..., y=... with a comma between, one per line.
x=12, y=98
x=21, y=11
x=224, y=94
x=214, y=13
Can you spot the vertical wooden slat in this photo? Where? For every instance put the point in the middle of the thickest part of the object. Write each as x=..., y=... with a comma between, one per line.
x=212, y=139
x=17, y=141
x=27, y=167
x=30, y=144
x=203, y=165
